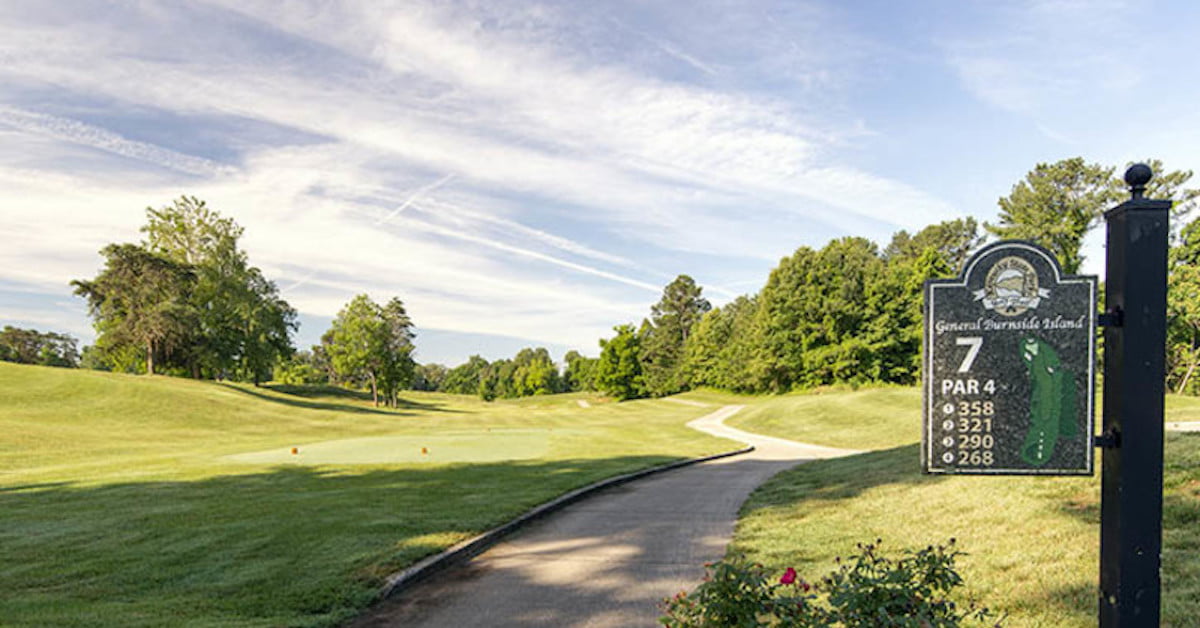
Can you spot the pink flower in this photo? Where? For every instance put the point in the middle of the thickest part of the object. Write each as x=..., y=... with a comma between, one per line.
x=789, y=576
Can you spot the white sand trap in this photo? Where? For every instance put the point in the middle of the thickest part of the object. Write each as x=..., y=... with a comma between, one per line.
x=583, y=403
x=474, y=446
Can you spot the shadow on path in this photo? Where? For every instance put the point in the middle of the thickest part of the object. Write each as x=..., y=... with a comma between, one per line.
x=607, y=560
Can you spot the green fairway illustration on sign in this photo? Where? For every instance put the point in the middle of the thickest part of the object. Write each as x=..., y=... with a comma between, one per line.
x=1009, y=366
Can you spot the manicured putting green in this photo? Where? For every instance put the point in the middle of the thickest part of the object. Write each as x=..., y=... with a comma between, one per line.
x=458, y=446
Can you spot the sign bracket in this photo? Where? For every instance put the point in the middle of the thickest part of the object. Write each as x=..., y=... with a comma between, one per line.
x=1115, y=317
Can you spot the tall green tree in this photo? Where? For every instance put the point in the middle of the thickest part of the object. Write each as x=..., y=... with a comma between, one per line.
x=953, y=240
x=141, y=298
x=429, y=377
x=354, y=344
x=496, y=380
x=244, y=325
x=720, y=351
x=619, y=368
x=1055, y=205
x=530, y=372
x=580, y=374
x=662, y=344
x=397, y=366
x=812, y=318
x=371, y=345
x=302, y=368
x=465, y=378
x=189, y=232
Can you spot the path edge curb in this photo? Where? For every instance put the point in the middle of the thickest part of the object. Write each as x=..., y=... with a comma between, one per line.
x=468, y=549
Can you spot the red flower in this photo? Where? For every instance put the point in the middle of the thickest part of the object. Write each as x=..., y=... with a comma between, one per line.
x=789, y=576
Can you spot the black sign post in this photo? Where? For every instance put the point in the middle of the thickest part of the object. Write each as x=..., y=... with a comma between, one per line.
x=1134, y=365
x=1010, y=350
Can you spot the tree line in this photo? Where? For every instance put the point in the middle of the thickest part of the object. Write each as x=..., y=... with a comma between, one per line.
x=185, y=301
x=850, y=312
x=30, y=346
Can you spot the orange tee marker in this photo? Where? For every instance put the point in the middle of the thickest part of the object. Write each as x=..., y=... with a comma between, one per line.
x=295, y=450
x=424, y=451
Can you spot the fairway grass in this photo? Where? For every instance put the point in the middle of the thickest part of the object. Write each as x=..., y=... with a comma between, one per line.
x=456, y=446
x=870, y=418
x=1033, y=543
x=151, y=501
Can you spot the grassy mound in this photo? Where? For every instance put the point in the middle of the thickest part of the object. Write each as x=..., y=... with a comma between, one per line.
x=1033, y=542
x=870, y=418
x=122, y=502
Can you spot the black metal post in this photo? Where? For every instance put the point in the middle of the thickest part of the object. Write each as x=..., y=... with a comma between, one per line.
x=1134, y=364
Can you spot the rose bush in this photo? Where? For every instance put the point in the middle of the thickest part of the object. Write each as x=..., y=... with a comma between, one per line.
x=868, y=590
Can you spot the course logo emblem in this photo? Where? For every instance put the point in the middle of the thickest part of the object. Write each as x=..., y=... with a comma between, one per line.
x=1011, y=287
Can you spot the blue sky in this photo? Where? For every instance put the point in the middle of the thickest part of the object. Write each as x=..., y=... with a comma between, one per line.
x=533, y=173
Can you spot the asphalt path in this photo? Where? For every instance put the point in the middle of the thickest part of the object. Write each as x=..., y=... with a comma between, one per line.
x=607, y=560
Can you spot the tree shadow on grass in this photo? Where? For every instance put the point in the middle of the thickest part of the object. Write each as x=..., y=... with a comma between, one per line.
x=355, y=395
x=1076, y=601
x=297, y=398
x=296, y=546
x=842, y=478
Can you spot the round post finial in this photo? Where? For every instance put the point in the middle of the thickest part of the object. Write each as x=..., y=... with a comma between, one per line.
x=1137, y=176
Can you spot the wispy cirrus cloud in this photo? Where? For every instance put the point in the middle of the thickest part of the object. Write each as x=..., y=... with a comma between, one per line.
x=77, y=132
x=479, y=160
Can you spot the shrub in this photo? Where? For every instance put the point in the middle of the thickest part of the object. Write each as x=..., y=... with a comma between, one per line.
x=868, y=590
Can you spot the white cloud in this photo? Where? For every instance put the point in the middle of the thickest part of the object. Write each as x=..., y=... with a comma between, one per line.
x=77, y=132
x=451, y=149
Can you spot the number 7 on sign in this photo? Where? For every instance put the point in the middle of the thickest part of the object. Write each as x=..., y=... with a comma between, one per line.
x=975, y=343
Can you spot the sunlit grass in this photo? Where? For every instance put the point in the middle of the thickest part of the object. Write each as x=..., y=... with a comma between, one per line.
x=870, y=418
x=1033, y=543
x=120, y=504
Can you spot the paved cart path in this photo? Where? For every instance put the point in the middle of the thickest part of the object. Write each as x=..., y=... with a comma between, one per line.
x=609, y=559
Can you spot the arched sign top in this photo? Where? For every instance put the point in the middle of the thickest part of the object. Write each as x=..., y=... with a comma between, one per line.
x=1009, y=355
x=1005, y=247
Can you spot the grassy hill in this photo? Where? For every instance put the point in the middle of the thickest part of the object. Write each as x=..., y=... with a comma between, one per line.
x=150, y=501
x=1033, y=543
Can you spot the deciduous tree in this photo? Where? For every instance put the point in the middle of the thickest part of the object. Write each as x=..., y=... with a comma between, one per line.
x=619, y=369
x=372, y=345
x=244, y=325
x=465, y=378
x=580, y=374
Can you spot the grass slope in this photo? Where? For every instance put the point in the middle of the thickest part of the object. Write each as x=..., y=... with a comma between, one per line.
x=870, y=418
x=120, y=504
x=1033, y=542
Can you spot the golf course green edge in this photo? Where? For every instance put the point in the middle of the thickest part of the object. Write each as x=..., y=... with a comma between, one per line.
x=468, y=549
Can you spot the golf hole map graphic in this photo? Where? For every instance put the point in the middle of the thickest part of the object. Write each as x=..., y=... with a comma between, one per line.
x=1009, y=366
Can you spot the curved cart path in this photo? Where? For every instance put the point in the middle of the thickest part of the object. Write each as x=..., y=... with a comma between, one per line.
x=609, y=559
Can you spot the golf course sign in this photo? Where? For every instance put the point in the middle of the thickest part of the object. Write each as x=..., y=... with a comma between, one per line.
x=1009, y=366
